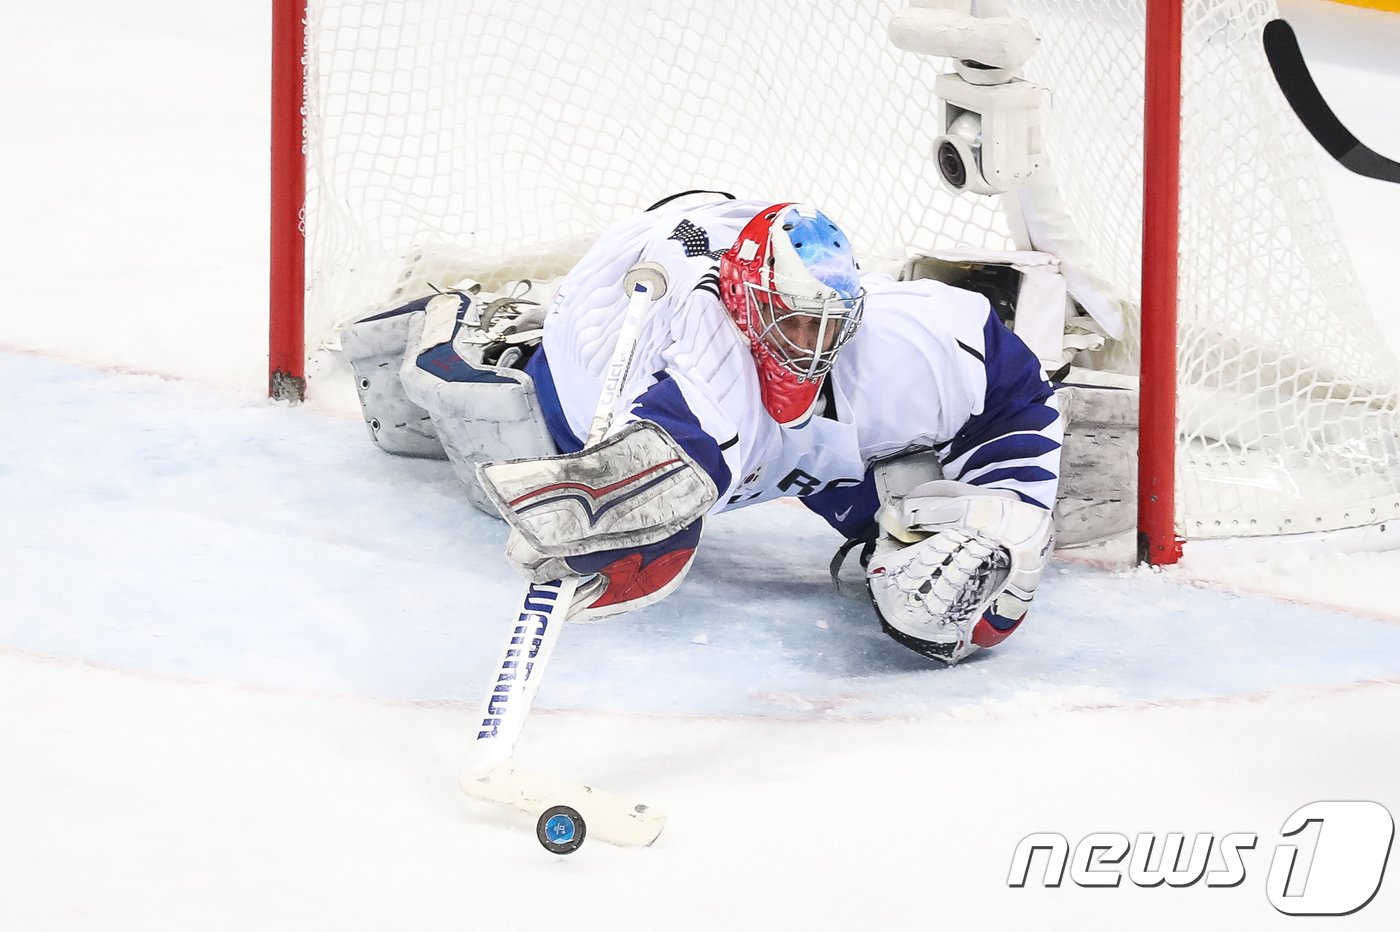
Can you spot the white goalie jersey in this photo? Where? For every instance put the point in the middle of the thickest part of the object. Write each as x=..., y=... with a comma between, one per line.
x=931, y=367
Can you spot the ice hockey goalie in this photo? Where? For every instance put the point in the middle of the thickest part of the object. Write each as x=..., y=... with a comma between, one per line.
x=901, y=409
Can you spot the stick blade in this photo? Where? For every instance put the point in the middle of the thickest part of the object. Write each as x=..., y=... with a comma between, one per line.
x=1295, y=80
x=610, y=817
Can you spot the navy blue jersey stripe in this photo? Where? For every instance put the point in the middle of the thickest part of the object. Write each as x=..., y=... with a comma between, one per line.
x=538, y=369
x=1029, y=500
x=1015, y=395
x=664, y=405
x=1005, y=449
x=1027, y=474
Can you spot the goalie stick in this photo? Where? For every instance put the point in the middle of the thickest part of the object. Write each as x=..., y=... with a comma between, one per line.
x=1294, y=79
x=490, y=773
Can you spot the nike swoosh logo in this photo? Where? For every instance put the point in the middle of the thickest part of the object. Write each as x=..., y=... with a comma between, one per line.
x=841, y=515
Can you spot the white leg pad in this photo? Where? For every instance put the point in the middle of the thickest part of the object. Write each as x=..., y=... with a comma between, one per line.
x=1098, y=464
x=374, y=348
x=498, y=417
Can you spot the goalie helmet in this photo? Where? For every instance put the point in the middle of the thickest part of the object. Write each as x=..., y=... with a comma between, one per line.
x=790, y=283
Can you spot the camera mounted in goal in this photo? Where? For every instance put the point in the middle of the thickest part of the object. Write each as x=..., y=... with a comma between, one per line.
x=989, y=120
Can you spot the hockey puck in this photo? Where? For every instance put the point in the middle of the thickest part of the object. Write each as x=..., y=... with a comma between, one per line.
x=561, y=830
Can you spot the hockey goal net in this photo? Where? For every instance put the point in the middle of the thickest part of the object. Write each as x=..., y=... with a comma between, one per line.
x=511, y=132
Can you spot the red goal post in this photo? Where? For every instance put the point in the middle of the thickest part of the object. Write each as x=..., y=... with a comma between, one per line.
x=1158, y=541
x=286, y=330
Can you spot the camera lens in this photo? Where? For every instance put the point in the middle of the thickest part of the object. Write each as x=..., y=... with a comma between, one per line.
x=951, y=165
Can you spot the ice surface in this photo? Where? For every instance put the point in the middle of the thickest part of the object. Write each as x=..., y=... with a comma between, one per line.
x=195, y=532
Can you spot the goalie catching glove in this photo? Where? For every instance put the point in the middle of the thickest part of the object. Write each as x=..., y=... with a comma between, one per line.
x=956, y=566
x=627, y=511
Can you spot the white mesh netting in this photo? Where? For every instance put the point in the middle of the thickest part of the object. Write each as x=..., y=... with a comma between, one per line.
x=501, y=136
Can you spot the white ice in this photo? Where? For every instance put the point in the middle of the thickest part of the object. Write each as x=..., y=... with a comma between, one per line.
x=239, y=647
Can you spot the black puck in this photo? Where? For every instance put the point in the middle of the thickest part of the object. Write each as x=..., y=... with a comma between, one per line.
x=561, y=830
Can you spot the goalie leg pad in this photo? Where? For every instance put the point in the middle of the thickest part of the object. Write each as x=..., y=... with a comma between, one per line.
x=480, y=412
x=635, y=488
x=1097, y=497
x=374, y=347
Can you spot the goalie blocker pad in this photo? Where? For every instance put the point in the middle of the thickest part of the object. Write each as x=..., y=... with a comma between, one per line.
x=630, y=578
x=636, y=488
x=626, y=512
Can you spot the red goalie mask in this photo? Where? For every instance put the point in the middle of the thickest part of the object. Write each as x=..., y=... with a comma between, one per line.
x=790, y=283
